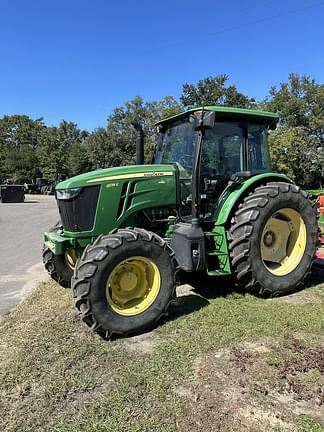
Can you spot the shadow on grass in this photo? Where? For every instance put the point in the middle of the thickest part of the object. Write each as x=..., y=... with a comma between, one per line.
x=186, y=305
x=204, y=288
x=213, y=287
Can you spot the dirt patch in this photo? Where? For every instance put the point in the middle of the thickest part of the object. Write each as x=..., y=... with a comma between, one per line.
x=301, y=297
x=254, y=387
x=301, y=373
x=141, y=344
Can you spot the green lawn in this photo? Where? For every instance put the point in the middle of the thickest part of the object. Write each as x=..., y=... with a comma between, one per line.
x=222, y=361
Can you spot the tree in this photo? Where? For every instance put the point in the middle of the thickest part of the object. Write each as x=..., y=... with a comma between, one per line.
x=62, y=150
x=295, y=144
x=78, y=161
x=19, y=139
x=115, y=144
x=295, y=153
x=213, y=91
x=98, y=149
x=29, y=149
x=299, y=102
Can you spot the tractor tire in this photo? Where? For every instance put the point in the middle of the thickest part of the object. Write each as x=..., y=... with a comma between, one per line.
x=124, y=282
x=273, y=239
x=58, y=266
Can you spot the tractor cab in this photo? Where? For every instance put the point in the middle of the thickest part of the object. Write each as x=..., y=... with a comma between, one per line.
x=218, y=145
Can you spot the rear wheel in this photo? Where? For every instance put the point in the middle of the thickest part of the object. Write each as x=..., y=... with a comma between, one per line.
x=124, y=282
x=273, y=239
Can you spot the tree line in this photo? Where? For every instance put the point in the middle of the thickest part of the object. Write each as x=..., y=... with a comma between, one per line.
x=30, y=149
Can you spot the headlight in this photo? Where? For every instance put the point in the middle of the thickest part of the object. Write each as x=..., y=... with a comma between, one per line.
x=66, y=194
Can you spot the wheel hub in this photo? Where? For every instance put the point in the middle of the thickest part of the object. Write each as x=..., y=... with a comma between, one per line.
x=269, y=239
x=133, y=285
x=127, y=281
x=283, y=242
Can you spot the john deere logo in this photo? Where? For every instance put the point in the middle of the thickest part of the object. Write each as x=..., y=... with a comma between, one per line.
x=132, y=176
x=155, y=174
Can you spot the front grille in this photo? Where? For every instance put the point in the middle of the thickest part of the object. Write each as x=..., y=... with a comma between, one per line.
x=77, y=214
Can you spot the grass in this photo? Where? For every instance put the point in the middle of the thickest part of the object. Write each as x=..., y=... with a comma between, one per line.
x=309, y=425
x=56, y=375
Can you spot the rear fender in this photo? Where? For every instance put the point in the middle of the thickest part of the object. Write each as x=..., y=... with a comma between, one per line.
x=234, y=194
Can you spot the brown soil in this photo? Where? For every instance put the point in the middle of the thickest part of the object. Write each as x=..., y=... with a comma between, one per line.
x=141, y=344
x=302, y=297
x=254, y=387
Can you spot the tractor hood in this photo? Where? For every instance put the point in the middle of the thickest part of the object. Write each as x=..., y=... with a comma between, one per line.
x=99, y=201
x=117, y=173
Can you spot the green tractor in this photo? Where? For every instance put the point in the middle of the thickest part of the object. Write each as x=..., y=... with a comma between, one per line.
x=208, y=204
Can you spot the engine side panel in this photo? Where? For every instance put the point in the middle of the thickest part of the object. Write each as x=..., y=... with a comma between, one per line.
x=122, y=197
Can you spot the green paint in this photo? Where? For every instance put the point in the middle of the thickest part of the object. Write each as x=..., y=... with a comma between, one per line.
x=58, y=243
x=142, y=192
x=115, y=208
x=248, y=114
x=321, y=223
x=219, y=254
x=228, y=201
x=127, y=191
x=93, y=177
x=315, y=193
x=170, y=229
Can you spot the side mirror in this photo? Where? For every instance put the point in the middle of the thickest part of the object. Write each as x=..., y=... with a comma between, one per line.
x=202, y=120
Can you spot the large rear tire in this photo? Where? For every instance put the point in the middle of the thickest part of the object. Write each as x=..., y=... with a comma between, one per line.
x=273, y=239
x=124, y=283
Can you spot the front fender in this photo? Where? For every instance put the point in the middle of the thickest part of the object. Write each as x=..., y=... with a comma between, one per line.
x=234, y=194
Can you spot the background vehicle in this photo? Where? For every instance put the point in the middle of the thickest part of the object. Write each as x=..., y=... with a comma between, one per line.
x=207, y=203
x=12, y=193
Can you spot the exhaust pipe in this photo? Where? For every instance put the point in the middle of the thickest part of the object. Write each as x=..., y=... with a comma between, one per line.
x=139, y=143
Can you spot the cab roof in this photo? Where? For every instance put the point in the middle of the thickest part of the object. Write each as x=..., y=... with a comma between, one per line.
x=228, y=112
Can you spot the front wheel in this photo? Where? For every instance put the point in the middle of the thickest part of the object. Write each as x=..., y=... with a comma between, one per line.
x=124, y=282
x=60, y=267
x=273, y=239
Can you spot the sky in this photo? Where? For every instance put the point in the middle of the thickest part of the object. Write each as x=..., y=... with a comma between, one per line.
x=78, y=59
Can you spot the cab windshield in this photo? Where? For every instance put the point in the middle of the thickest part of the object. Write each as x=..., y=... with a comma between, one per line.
x=222, y=152
x=177, y=145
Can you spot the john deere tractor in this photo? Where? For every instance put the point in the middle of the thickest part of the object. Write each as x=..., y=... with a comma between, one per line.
x=208, y=203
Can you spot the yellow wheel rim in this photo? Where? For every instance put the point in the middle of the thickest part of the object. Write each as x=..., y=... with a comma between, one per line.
x=133, y=285
x=71, y=257
x=283, y=242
